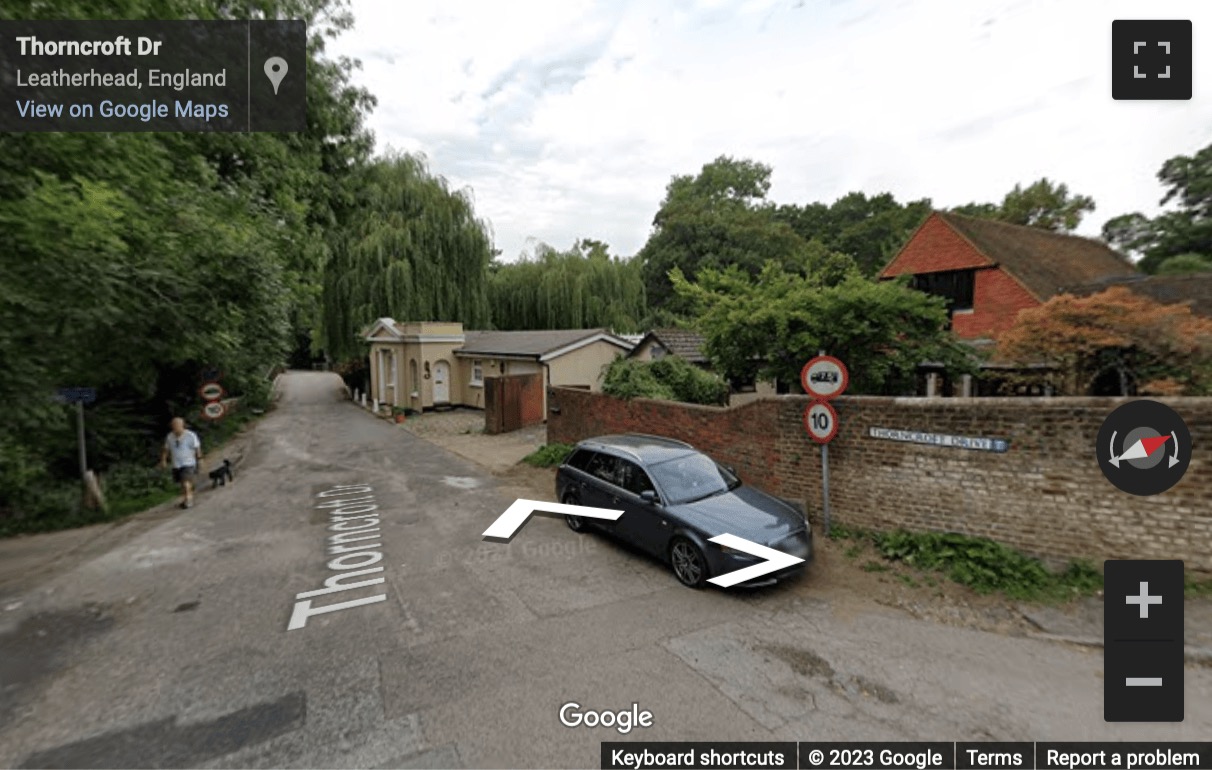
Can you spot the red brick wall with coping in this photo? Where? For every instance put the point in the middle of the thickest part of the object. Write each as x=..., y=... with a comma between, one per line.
x=1045, y=496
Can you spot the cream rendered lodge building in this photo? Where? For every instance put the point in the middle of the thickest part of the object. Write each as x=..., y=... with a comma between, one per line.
x=421, y=365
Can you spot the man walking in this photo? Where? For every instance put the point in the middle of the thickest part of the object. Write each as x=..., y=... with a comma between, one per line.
x=186, y=452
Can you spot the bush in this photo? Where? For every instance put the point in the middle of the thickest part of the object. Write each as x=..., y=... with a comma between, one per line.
x=128, y=480
x=670, y=378
x=690, y=383
x=633, y=379
x=548, y=455
x=986, y=565
x=51, y=506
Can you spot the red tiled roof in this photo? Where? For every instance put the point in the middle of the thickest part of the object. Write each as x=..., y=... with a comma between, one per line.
x=1043, y=261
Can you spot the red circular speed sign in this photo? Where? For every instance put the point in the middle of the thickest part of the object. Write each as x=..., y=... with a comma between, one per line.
x=820, y=420
x=214, y=410
x=824, y=377
x=211, y=391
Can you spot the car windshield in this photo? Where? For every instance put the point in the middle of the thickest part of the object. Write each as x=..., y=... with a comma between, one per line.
x=691, y=477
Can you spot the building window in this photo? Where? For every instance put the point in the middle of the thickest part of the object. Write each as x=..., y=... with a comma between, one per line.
x=477, y=373
x=743, y=384
x=955, y=286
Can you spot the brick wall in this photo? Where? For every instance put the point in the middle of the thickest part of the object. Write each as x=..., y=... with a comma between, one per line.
x=996, y=302
x=935, y=247
x=1045, y=496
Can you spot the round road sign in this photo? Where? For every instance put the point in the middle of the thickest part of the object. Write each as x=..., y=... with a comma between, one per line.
x=820, y=420
x=211, y=391
x=213, y=410
x=824, y=377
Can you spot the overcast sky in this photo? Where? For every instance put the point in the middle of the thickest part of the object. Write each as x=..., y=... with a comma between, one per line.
x=567, y=118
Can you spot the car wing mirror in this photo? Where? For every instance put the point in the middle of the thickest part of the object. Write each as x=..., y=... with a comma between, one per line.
x=648, y=496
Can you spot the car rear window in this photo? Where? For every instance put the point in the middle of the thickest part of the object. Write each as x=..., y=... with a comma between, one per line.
x=607, y=469
x=580, y=459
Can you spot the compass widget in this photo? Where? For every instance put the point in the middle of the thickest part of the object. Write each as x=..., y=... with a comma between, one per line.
x=1144, y=447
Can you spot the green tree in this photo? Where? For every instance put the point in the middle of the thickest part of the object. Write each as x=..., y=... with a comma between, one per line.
x=715, y=219
x=412, y=249
x=131, y=261
x=869, y=230
x=1043, y=204
x=671, y=378
x=1181, y=264
x=766, y=328
x=1185, y=228
x=584, y=287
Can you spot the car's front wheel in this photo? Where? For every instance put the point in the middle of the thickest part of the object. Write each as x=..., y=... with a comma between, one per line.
x=575, y=523
x=689, y=566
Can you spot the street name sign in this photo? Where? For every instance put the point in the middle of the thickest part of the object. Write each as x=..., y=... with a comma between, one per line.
x=76, y=395
x=941, y=439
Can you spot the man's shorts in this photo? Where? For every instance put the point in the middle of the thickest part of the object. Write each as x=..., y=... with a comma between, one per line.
x=185, y=473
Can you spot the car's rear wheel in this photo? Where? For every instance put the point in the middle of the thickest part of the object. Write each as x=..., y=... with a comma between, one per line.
x=689, y=566
x=575, y=523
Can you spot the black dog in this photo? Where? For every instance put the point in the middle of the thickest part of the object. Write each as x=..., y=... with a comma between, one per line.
x=221, y=475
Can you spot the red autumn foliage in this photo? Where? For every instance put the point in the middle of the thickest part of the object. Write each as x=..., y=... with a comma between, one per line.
x=1150, y=347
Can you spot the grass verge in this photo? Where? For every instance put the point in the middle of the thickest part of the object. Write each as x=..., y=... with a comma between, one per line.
x=1197, y=587
x=548, y=455
x=986, y=566
x=129, y=488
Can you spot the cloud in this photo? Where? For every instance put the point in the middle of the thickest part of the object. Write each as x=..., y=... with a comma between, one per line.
x=569, y=118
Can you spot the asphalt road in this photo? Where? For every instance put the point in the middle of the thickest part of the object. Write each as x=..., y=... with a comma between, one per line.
x=173, y=649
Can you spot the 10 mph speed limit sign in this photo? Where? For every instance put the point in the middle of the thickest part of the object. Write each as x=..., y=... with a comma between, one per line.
x=820, y=420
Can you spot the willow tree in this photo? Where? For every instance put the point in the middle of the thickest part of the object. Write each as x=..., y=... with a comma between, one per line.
x=584, y=287
x=413, y=250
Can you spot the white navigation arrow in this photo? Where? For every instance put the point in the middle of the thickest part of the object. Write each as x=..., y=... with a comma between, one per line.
x=1174, y=457
x=515, y=517
x=775, y=561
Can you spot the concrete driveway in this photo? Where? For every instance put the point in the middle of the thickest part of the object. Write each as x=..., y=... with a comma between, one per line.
x=172, y=649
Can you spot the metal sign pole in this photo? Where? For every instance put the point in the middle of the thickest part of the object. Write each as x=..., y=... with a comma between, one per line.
x=80, y=439
x=823, y=378
x=825, y=476
x=825, y=484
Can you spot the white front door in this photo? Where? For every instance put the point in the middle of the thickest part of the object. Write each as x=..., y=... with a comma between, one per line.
x=441, y=383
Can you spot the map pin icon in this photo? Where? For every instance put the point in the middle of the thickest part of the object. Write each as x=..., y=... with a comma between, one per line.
x=275, y=70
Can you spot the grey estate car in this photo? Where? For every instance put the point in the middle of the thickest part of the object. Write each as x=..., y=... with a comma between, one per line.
x=675, y=499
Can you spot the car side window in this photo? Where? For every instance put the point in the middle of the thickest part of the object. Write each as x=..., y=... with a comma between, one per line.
x=605, y=468
x=635, y=480
x=580, y=459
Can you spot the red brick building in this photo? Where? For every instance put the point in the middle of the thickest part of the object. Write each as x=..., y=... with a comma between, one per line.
x=990, y=270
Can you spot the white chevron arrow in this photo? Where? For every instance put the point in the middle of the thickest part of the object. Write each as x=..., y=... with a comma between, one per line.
x=775, y=561
x=508, y=524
